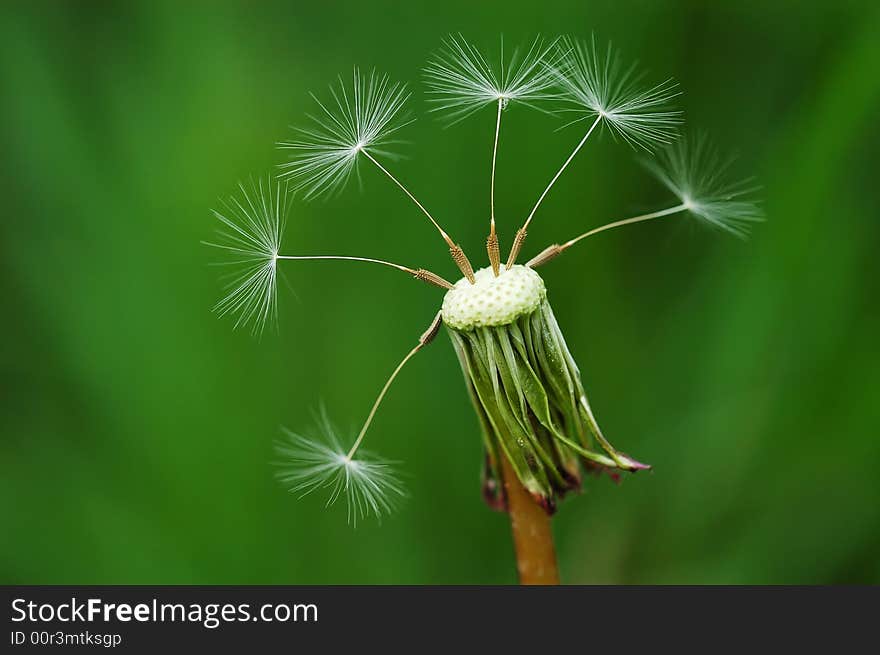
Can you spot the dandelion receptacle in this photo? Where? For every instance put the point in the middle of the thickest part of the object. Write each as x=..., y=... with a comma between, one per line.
x=538, y=428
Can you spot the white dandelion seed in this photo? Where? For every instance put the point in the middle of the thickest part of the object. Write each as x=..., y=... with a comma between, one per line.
x=368, y=484
x=363, y=116
x=360, y=123
x=693, y=170
x=601, y=87
x=461, y=80
x=252, y=226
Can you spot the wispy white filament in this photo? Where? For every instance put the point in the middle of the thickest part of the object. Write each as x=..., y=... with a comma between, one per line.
x=252, y=226
x=368, y=484
x=461, y=80
x=362, y=116
x=599, y=86
x=692, y=169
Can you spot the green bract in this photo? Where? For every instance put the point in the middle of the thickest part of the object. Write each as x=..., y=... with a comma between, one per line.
x=526, y=387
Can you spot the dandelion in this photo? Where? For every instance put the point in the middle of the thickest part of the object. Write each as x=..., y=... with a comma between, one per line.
x=540, y=434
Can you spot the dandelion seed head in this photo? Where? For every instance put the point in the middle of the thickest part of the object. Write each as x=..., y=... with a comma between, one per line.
x=461, y=80
x=692, y=169
x=360, y=117
x=368, y=484
x=251, y=228
x=599, y=85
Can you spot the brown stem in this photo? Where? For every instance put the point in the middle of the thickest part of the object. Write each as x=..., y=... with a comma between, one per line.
x=532, y=536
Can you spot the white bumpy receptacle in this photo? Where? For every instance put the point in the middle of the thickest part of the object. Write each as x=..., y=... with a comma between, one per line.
x=493, y=300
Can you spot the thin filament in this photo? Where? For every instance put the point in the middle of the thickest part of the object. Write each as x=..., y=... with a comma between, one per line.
x=418, y=273
x=411, y=197
x=626, y=221
x=378, y=402
x=494, y=158
x=559, y=172
x=399, y=267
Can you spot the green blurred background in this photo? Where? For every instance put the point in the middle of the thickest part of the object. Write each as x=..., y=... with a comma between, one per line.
x=137, y=428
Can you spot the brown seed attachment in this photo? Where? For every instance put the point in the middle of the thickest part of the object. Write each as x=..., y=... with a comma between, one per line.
x=518, y=241
x=463, y=263
x=550, y=252
x=494, y=252
x=431, y=278
x=429, y=334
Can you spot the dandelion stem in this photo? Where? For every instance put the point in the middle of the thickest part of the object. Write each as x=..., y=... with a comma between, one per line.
x=626, y=221
x=514, y=252
x=492, y=241
x=532, y=535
